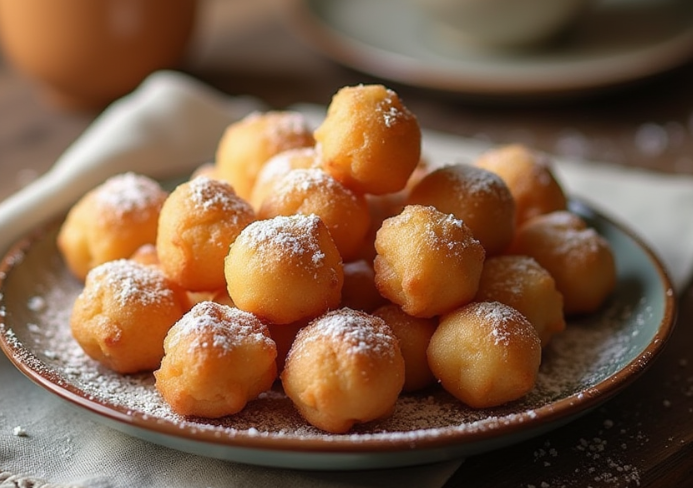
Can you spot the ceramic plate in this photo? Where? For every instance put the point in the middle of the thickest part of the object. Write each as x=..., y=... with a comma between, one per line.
x=618, y=42
x=592, y=360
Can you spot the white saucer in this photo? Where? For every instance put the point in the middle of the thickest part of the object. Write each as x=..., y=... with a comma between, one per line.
x=618, y=42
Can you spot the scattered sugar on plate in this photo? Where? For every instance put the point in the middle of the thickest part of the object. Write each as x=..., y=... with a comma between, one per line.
x=567, y=371
x=576, y=360
x=36, y=303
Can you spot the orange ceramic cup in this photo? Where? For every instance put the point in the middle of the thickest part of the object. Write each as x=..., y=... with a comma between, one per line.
x=86, y=53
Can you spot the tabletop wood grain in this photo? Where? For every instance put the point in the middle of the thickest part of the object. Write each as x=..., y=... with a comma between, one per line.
x=641, y=438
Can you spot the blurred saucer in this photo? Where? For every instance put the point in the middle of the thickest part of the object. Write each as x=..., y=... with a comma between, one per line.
x=618, y=41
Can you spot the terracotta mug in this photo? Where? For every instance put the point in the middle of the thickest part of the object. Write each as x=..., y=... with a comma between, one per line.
x=87, y=53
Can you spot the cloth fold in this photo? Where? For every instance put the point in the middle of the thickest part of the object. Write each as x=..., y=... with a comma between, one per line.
x=171, y=123
x=167, y=127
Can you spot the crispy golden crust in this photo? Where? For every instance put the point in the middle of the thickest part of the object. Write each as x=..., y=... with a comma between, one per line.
x=474, y=195
x=522, y=283
x=344, y=368
x=576, y=256
x=277, y=167
x=217, y=358
x=427, y=262
x=369, y=140
x=413, y=334
x=485, y=354
x=285, y=269
x=123, y=314
x=249, y=143
x=359, y=291
x=198, y=223
x=529, y=177
x=313, y=191
x=111, y=222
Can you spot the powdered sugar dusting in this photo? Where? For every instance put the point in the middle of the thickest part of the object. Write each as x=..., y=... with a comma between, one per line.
x=280, y=164
x=472, y=182
x=129, y=194
x=575, y=243
x=311, y=181
x=35, y=325
x=501, y=319
x=210, y=194
x=563, y=219
x=357, y=332
x=294, y=235
x=209, y=325
x=390, y=110
x=280, y=127
x=439, y=231
x=510, y=274
x=127, y=282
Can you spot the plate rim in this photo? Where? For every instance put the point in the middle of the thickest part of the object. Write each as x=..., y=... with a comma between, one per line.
x=541, y=418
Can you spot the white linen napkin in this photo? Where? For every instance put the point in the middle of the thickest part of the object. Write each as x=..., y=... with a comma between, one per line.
x=168, y=126
x=164, y=128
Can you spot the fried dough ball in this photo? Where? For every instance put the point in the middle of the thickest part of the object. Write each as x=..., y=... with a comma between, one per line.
x=123, y=314
x=485, y=354
x=529, y=177
x=277, y=167
x=222, y=297
x=413, y=335
x=284, y=335
x=385, y=206
x=218, y=358
x=247, y=144
x=285, y=269
x=313, y=191
x=579, y=259
x=359, y=291
x=474, y=195
x=110, y=222
x=198, y=223
x=195, y=297
x=344, y=368
x=427, y=262
x=218, y=296
x=391, y=204
x=369, y=140
x=208, y=169
x=520, y=282
x=146, y=254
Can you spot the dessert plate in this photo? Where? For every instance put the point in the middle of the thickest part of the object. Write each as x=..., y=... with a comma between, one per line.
x=596, y=357
x=618, y=41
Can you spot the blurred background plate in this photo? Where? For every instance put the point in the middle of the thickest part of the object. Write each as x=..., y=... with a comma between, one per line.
x=618, y=42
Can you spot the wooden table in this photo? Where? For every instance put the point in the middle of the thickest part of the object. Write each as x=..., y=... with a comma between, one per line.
x=644, y=436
